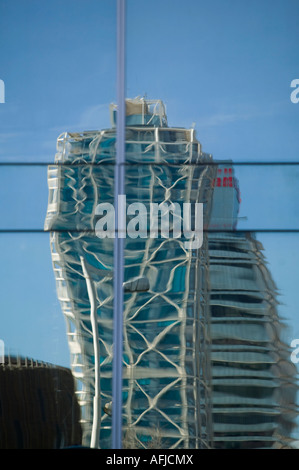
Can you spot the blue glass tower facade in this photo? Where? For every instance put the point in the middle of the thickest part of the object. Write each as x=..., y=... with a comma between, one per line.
x=254, y=381
x=166, y=364
x=204, y=363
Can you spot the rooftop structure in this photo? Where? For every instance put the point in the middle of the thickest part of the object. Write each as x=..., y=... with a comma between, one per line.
x=38, y=406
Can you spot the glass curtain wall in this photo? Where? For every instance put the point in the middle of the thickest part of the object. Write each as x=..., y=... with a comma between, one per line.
x=207, y=218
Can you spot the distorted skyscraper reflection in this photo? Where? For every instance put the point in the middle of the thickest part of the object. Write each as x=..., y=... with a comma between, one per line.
x=203, y=362
x=254, y=381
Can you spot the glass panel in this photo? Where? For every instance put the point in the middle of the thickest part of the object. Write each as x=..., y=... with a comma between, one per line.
x=58, y=75
x=210, y=336
x=264, y=195
x=226, y=73
x=32, y=325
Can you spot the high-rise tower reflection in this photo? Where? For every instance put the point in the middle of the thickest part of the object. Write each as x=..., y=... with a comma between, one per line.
x=166, y=387
x=204, y=365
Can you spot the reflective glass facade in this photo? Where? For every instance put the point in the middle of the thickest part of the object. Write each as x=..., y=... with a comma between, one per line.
x=167, y=387
x=204, y=363
x=228, y=70
x=254, y=381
